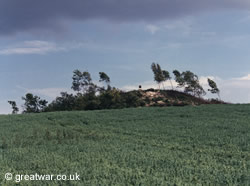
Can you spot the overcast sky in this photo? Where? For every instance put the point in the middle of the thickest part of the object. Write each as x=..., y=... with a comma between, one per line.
x=42, y=42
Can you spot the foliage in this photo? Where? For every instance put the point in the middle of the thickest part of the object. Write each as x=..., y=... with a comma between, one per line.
x=115, y=98
x=69, y=102
x=158, y=75
x=33, y=103
x=104, y=77
x=214, y=89
x=14, y=107
x=201, y=145
x=90, y=96
x=190, y=82
x=133, y=99
x=90, y=100
x=94, y=97
x=65, y=102
x=178, y=78
x=167, y=76
x=111, y=99
x=82, y=81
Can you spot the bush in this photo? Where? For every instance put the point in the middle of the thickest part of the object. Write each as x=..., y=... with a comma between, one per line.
x=111, y=99
x=132, y=99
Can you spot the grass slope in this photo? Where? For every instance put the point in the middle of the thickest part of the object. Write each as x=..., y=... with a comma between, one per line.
x=202, y=145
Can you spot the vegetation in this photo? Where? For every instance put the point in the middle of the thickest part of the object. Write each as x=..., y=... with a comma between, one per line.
x=190, y=82
x=202, y=145
x=90, y=96
x=104, y=78
x=214, y=89
x=159, y=76
x=167, y=77
x=14, y=107
x=82, y=82
x=33, y=103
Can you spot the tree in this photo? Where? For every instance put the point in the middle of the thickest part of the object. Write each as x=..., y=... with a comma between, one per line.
x=178, y=78
x=64, y=102
x=190, y=82
x=158, y=75
x=111, y=99
x=166, y=76
x=33, y=103
x=81, y=81
x=76, y=80
x=15, y=109
x=105, y=78
x=214, y=89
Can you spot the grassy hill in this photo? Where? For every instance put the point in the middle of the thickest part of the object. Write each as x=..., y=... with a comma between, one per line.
x=192, y=145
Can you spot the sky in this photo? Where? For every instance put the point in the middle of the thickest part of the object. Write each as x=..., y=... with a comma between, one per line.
x=43, y=42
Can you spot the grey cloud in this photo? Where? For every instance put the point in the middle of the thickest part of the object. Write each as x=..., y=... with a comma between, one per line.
x=26, y=15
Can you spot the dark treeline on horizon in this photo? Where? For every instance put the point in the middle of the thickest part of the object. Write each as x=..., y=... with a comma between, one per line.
x=90, y=96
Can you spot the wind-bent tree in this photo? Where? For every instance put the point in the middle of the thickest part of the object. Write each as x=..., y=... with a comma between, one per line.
x=33, y=103
x=14, y=107
x=77, y=76
x=158, y=75
x=82, y=82
x=105, y=78
x=178, y=78
x=214, y=89
x=190, y=82
x=167, y=76
x=87, y=98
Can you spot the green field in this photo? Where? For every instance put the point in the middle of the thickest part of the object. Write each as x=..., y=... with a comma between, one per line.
x=191, y=145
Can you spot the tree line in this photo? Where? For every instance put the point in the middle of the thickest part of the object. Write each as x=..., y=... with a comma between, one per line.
x=90, y=96
x=187, y=80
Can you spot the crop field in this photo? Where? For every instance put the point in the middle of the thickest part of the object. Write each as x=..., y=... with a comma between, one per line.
x=191, y=145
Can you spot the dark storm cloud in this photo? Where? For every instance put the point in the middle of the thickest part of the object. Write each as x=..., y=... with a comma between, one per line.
x=25, y=15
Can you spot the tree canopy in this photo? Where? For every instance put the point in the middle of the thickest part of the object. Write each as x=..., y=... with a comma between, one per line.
x=81, y=81
x=104, y=77
x=33, y=103
x=158, y=74
x=190, y=82
x=15, y=109
x=214, y=89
